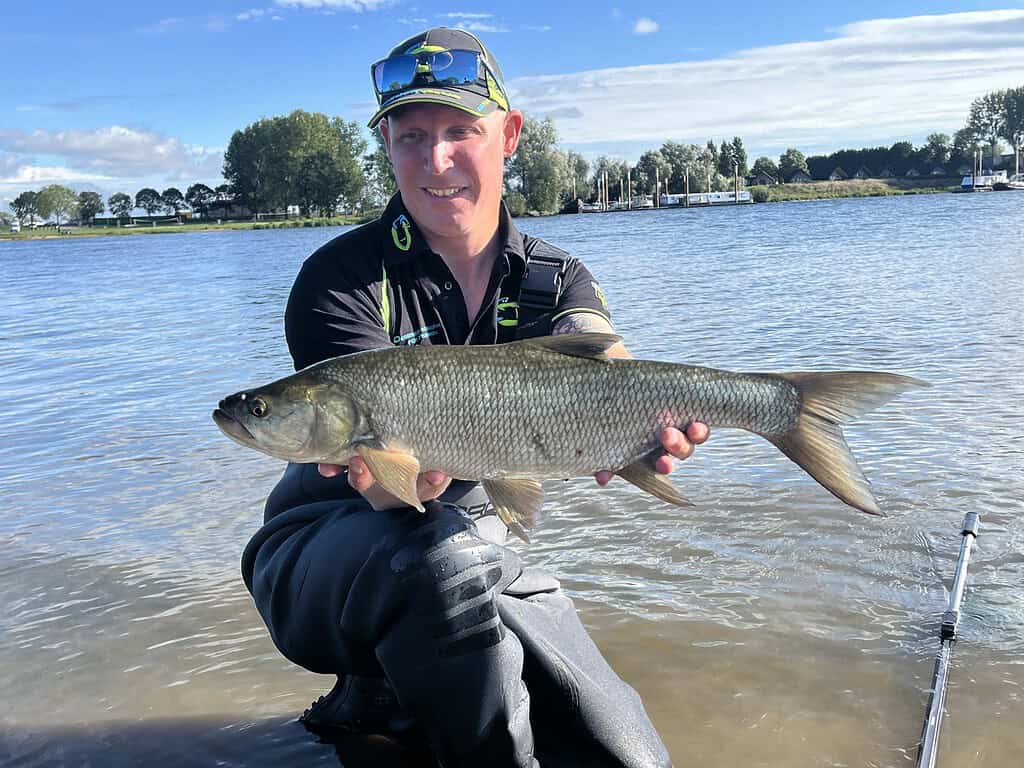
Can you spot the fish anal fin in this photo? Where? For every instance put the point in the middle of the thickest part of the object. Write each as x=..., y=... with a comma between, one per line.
x=641, y=473
x=395, y=472
x=593, y=345
x=517, y=502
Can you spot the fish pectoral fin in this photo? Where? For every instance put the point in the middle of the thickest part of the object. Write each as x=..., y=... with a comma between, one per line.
x=395, y=472
x=642, y=474
x=517, y=502
x=576, y=344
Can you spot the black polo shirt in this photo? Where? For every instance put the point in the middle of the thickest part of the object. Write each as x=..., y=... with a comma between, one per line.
x=381, y=284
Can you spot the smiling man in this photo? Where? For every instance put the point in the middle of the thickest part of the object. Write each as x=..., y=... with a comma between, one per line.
x=436, y=631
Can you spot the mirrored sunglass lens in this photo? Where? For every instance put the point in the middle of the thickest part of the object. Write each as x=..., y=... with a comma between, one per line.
x=454, y=67
x=394, y=73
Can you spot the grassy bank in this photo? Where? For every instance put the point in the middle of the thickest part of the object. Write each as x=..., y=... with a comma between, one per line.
x=824, y=190
x=49, y=233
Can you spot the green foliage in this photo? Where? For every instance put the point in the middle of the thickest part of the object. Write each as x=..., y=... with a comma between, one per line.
x=651, y=166
x=56, y=200
x=120, y=205
x=766, y=165
x=149, y=200
x=26, y=206
x=791, y=161
x=172, y=199
x=297, y=158
x=380, y=175
x=577, y=169
x=987, y=119
x=938, y=148
x=516, y=203
x=538, y=170
x=199, y=196
x=1013, y=116
x=89, y=205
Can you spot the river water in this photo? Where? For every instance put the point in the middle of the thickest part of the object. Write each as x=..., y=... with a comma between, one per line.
x=769, y=625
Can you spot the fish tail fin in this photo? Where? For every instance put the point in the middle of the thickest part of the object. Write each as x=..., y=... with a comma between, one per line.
x=828, y=400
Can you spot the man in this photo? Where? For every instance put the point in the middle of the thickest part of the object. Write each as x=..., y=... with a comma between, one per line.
x=436, y=632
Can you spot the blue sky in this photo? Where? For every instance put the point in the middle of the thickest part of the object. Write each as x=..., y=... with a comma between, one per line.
x=119, y=95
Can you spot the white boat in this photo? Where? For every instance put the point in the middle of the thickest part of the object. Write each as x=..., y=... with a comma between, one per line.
x=983, y=182
x=1014, y=182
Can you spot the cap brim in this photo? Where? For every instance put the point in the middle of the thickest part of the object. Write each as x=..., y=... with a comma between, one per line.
x=472, y=103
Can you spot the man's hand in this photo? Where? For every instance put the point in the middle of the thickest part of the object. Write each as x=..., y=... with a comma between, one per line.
x=675, y=443
x=429, y=485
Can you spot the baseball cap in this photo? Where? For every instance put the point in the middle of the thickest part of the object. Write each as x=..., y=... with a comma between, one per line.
x=439, y=66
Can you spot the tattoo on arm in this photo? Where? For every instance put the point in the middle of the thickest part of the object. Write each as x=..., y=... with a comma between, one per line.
x=582, y=322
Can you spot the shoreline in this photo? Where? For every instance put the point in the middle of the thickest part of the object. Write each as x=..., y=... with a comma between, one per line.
x=778, y=193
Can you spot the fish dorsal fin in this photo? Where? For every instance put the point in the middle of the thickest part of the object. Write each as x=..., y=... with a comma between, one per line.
x=592, y=345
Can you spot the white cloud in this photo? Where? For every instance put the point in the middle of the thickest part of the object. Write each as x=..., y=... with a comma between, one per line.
x=462, y=15
x=42, y=174
x=877, y=81
x=253, y=14
x=645, y=26
x=348, y=5
x=115, y=154
x=477, y=26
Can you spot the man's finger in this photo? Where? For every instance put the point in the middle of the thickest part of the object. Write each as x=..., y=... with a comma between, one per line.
x=359, y=475
x=330, y=470
x=604, y=477
x=676, y=443
x=698, y=432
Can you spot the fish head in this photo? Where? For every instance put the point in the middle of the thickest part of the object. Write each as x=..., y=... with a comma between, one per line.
x=294, y=419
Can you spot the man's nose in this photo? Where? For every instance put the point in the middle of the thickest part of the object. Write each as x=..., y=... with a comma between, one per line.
x=439, y=157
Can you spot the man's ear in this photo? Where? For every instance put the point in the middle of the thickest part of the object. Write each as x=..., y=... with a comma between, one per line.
x=385, y=131
x=512, y=128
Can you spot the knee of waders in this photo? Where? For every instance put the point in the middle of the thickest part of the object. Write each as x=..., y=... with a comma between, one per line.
x=451, y=577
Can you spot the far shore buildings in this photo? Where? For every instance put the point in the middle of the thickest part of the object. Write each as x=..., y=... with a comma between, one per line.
x=800, y=177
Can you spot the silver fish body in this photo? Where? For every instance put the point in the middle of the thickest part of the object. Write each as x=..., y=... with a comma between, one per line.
x=513, y=414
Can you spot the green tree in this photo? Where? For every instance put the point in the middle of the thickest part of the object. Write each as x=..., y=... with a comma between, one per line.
x=651, y=166
x=986, y=121
x=739, y=155
x=380, y=175
x=577, y=170
x=26, y=206
x=616, y=172
x=199, y=197
x=725, y=159
x=149, y=200
x=938, y=148
x=120, y=205
x=89, y=205
x=1013, y=117
x=684, y=160
x=791, y=161
x=56, y=200
x=264, y=162
x=766, y=165
x=538, y=170
x=173, y=200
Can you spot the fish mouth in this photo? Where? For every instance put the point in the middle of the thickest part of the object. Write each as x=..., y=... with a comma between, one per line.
x=232, y=427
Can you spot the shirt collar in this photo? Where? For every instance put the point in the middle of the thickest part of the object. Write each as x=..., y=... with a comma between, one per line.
x=402, y=240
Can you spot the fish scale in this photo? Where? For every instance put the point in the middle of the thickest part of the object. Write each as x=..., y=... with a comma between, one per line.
x=480, y=412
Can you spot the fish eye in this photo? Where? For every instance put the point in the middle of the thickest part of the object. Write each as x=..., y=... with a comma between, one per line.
x=258, y=407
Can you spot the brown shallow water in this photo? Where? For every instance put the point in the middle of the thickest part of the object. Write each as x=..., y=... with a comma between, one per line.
x=767, y=626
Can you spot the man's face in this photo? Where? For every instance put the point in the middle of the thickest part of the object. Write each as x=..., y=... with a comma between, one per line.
x=449, y=165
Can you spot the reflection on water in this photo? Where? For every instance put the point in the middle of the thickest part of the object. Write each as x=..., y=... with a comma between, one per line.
x=768, y=625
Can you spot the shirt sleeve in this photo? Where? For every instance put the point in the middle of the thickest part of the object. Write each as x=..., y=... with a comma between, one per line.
x=580, y=293
x=332, y=311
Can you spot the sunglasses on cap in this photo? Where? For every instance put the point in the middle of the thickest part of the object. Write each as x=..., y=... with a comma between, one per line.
x=441, y=68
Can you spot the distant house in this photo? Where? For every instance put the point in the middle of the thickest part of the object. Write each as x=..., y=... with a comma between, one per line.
x=799, y=178
x=938, y=170
x=862, y=173
x=964, y=170
x=226, y=209
x=913, y=173
x=762, y=178
x=838, y=174
x=886, y=173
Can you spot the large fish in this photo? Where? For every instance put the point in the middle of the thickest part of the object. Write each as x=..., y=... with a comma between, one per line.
x=513, y=414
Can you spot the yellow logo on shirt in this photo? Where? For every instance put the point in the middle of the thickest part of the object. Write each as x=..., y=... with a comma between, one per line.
x=403, y=241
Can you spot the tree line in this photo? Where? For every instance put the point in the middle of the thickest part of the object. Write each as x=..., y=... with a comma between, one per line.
x=322, y=165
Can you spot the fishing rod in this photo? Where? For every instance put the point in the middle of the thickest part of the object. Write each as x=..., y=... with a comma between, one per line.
x=928, y=751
